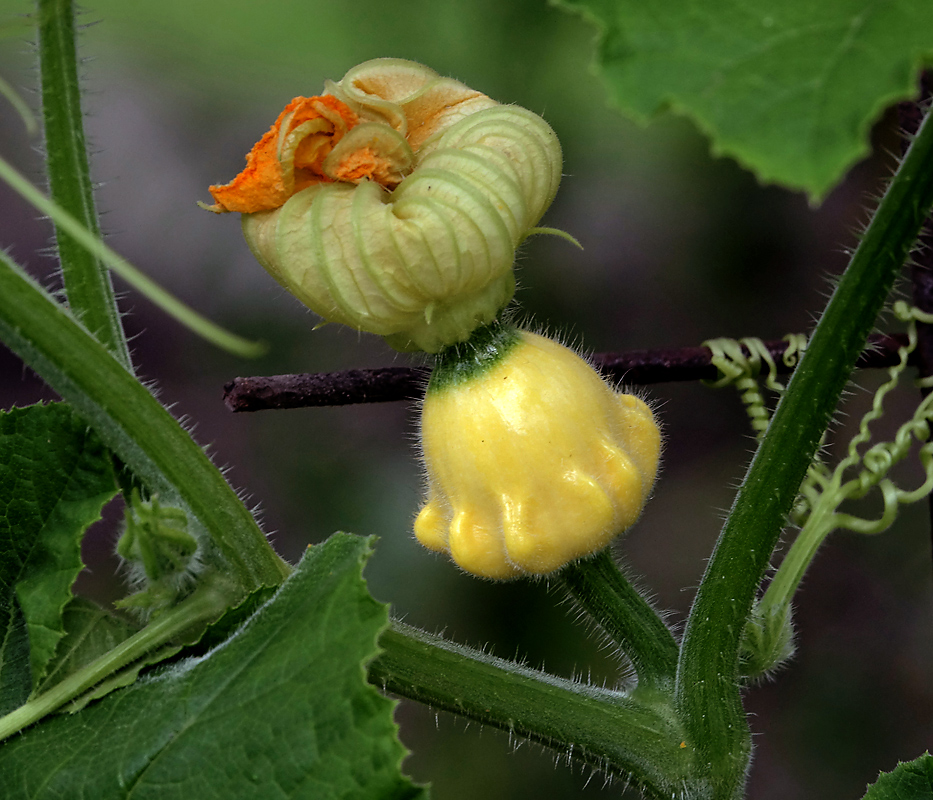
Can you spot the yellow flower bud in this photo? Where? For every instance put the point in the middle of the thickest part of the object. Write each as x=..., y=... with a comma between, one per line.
x=394, y=203
x=532, y=459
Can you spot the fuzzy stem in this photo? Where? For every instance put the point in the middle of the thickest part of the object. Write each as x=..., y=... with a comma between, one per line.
x=87, y=281
x=707, y=680
x=637, y=739
x=603, y=592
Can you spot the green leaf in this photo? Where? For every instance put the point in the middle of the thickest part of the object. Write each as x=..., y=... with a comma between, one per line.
x=15, y=672
x=116, y=667
x=908, y=781
x=121, y=679
x=55, y=477
x=788, y=89
x=198, y=644
x=281, y=710
x=233, y=618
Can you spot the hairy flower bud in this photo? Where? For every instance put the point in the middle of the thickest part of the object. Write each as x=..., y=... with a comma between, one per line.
x=394, y=203
x=532, y=459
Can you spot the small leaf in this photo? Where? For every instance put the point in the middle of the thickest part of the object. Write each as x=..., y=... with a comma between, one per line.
x=790, y=90
x=90, y=631
x=55, y=477
x=911, y=780
x=120, y=679
x=281, y=710
x=213, y=635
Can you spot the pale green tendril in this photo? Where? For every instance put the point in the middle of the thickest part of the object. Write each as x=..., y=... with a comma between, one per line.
x=544, y=231
x=735, y=367
x=20, y=106
x=824, y=491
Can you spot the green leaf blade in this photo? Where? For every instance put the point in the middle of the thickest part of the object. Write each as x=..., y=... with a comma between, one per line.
x=55, y=478
x=15, y=669
x=789, y=90
x=281, y=710
x=912, y=780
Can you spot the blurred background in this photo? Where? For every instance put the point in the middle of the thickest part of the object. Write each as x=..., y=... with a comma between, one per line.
x=679, y=247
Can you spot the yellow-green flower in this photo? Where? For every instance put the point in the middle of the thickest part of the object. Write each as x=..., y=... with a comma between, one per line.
x=532, y=459
x=394, y=202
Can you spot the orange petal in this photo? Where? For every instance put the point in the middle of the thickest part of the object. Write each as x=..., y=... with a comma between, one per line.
x=359, y=165
x=371, y=151
x=263, y=185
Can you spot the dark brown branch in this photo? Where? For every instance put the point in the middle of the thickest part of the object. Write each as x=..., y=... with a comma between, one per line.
x=634, y=367
x=325, y=388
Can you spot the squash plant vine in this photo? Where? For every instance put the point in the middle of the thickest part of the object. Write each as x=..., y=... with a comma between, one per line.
x=332, y=199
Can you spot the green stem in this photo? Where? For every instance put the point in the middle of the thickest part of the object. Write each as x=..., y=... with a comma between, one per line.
x=87, y=281
x=641, y=741
x=707, y=685
x=787, y=579
x=205, y=605
x=600, y=589
x=132, y=423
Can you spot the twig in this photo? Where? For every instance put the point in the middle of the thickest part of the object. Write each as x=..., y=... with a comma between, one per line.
x=302, y=390
x=634, y=367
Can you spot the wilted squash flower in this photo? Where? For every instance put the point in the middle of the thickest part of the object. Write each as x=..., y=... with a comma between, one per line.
x=532, y=459
x=395, y=201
